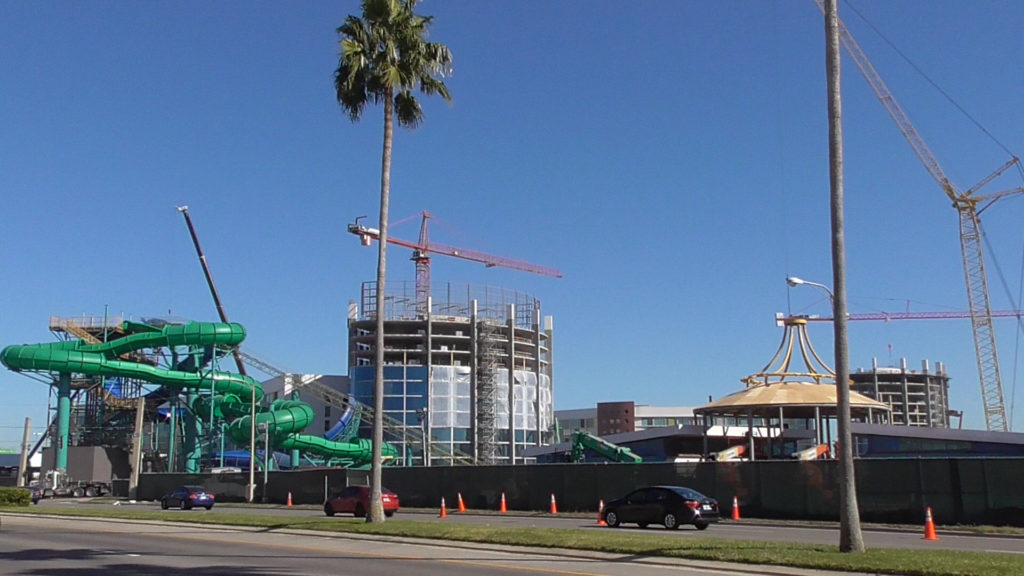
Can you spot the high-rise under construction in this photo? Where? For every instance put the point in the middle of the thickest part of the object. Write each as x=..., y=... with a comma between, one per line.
x=469, y=368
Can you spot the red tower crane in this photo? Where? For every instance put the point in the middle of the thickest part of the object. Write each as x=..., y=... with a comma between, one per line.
x=422, y=250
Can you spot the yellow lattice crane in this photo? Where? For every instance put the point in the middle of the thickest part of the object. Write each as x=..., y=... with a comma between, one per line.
x=969, y=207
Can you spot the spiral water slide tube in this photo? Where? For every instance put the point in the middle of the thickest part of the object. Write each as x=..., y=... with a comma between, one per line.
x=232, y=393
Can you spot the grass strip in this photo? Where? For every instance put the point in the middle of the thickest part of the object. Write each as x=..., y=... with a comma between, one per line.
x=631, y=546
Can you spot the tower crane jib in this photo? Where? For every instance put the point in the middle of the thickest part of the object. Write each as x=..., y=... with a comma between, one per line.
x=422, y=250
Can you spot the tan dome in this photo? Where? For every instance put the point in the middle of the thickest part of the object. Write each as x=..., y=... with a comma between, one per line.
x=789, y=394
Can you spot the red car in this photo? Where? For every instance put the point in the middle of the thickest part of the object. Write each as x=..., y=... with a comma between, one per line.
x=356, y=500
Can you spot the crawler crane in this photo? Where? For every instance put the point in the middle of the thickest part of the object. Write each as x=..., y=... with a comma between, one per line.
x=969, y=207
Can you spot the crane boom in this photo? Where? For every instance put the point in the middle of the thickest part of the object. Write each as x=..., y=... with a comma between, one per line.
x=209, y=281
x=581, y=441
x=887, y=316
x=893, y=107
x=970, y=236
x=489, y=260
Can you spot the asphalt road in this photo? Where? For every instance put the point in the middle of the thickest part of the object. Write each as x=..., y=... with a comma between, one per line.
x=755, y=530
x=39, y=545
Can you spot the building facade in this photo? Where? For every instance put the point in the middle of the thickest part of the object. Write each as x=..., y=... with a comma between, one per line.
x=290, y=387
x=609, y=418
x=916, y=397
x=470, y=369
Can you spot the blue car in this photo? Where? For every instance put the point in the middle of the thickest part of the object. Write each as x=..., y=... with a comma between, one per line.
x=187, y=497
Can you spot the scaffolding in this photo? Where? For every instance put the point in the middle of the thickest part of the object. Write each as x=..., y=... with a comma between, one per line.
x=488, y=352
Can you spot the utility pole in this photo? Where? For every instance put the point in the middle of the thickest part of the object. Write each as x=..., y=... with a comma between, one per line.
x=23, y=472
x=140, y=410
x=252, y=445
x=266, y=457
x=850, y=537
x=425, y=430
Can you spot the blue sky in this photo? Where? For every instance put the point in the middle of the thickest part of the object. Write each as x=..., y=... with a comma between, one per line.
x=669, y=157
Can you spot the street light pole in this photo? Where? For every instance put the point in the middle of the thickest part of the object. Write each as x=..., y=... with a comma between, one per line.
x=23, y=475
x=252, y=446
x=425, y=431
x=850, y=537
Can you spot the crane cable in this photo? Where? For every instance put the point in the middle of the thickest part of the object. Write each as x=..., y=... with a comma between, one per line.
x=1020, y=170
x=1014, y=302
x=932, y=82
x=1016, y=346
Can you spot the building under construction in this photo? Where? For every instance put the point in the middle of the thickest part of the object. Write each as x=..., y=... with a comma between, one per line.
x=917, y=398
x=470, y=368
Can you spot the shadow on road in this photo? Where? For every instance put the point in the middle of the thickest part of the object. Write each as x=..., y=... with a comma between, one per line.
x=90, y=558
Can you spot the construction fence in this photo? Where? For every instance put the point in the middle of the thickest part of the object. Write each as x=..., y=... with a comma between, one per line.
x=958, y=490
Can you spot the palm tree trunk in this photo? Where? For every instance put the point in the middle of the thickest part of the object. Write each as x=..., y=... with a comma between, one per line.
x=850, y=537
x=376, y=512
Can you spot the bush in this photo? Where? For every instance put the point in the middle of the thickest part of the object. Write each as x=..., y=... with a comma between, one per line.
x=15, y=497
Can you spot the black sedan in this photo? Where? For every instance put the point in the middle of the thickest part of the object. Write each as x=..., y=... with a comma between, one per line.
x=187, y=497
x=669, y=506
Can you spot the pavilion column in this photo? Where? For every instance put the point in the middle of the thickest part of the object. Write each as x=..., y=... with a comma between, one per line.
x=828, y=436
x=704, y=417
x=782, y=429
x=750, y=431
x=817, y=425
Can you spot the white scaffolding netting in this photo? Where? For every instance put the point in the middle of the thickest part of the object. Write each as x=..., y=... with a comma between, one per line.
x=525, y=400
x=450, y=397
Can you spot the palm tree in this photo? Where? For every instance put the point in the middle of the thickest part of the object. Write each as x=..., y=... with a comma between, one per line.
x=851, y=539
x=384, y=57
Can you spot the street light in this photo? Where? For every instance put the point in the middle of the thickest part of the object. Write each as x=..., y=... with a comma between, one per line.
x=793, y=282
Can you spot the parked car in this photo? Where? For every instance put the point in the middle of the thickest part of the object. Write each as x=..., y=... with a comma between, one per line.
x=669, y=506
x=187, y=497
x=356, y=500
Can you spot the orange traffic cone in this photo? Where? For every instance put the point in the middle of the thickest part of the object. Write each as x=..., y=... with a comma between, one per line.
x=504, y=508
x=735, y=508
x=444, y=511
x=600, y=514
x=929, y=526
x=462, y=505
x=289, y=499
x=554, y=507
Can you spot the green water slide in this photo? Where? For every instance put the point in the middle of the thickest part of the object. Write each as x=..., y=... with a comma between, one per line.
x=232, y=394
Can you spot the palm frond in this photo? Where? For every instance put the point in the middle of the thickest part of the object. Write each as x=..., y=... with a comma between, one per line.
x=407, y=110
x=386, y=53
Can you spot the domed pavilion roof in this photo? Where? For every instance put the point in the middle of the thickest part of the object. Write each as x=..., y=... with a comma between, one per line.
x=801, y=392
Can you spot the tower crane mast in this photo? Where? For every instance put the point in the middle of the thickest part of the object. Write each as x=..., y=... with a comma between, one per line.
x=969, y=207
